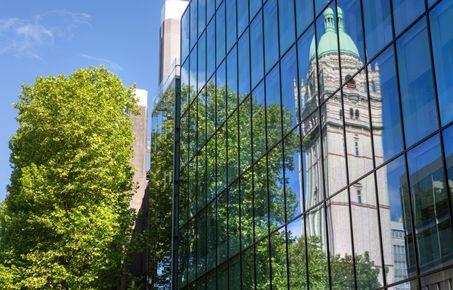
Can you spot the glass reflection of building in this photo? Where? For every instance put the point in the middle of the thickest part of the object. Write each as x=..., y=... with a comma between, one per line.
x=315, y=145
x=349, y=110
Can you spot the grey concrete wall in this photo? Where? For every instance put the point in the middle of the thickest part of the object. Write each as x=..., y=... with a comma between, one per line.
x=140, y=129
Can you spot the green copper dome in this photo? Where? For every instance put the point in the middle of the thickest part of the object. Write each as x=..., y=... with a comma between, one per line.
x=328, y=43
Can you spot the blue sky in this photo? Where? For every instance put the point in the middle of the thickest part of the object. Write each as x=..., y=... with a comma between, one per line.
x=47, y=37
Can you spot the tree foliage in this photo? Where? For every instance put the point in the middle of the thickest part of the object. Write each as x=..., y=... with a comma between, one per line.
x=66, y=221
x=219, y=144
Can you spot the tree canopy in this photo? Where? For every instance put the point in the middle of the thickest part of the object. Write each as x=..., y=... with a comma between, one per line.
x=66, y=221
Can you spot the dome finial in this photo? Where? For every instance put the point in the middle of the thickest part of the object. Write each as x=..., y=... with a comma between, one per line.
x=329, y=22
x=340, y=19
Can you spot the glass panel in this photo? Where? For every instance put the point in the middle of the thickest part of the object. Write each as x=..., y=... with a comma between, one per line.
x=232, y=81
x=286, y=19
x=211, y=167
x=192, y=263
x=193, y=126
x=211, y=235
x=192, y=187
x=247, y=209
x=202, y=120
x=210, y=8
x=220, y=33
x=183, y=255
x=308, y=82
x=235, y=273
x=262, y=265
x=290, y=94
x=255, y=5
x=202, y=61
x=233, y=147
x=244, y=65
x=304, y=14
x=297, y=255
x=270, y=33
x=210, y=51
x=448, y=146
x=417, y=91
x=193, y=22
x=318, y=276
x=320, y=5
x=185, y=35
x=278, y=258
x=202, y=247
x=260, y=199
x=184, y=198
x=193, y=74
x=233, y=220
x=385, y=109
x=276, y=190
x=185, y=87
x=340, y=244
x=358, y=131
x=243, y=15
x=231, y=23
x=430, y=203
x=396, y=225
x=220, y=94
x=378, y=25
x=405, y=12
x=210, y=108
x=442, y=36
x=256, y=49
x=222, y=229
x=201, y=16
x=221, y=159
x=273, y=107
x=333, y=146
x=258, y=122
x=201, y=175
x=312, y=163
x=222, y=282
x=365, y=224
x=248, y=269
x=327, y=52
x=245, y=135
x=293, y=175
x=351, y=36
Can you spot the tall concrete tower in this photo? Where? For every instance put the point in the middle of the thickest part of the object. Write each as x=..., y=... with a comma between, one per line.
x=170, y=33
x=140, y=131
x=351, y=117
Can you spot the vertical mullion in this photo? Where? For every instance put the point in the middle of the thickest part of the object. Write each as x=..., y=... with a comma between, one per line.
x=395, y=53
x=373, y=147
x=345, y=143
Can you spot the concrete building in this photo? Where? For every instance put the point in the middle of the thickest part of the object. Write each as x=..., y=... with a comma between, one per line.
x=140, y=130
x=170, y=36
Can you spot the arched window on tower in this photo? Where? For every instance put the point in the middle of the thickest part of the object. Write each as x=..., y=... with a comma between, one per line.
x=350, y=83
x=373, y=86
x=351, y=113
x=357, y=114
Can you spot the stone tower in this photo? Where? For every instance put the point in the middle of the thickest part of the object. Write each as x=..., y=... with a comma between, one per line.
x=353, y=116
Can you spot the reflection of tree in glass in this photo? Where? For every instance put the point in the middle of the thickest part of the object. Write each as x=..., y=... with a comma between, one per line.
x=160, y=194
x=211, y=106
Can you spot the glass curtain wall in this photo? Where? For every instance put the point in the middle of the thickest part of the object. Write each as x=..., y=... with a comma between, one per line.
x=316, y=148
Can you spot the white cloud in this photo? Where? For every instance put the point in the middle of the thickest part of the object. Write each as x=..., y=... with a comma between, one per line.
x=24, y=37
x=102, y=61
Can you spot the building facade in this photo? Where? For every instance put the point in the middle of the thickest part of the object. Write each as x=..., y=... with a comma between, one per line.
x=315, y=145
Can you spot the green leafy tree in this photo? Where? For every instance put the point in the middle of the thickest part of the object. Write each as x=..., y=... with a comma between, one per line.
x=66, y=221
